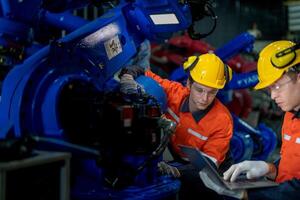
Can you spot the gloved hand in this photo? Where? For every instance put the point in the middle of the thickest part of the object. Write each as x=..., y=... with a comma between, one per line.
x=133, y=70
x=167, y=169
x=130, y=86
x=219, y=188
x=253, y=169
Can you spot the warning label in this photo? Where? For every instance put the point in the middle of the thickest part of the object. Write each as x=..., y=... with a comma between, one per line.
x=113, y=47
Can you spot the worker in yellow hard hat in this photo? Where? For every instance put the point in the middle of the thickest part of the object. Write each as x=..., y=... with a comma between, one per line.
x=278, y=71
x=203, y=122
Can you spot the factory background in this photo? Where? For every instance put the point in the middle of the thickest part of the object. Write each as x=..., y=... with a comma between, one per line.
x=65, y=132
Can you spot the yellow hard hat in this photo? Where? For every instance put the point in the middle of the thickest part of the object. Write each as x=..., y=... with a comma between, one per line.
x=275, y=59
x=209, y=70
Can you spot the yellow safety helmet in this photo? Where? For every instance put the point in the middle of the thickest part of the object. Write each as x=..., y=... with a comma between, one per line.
x=274, y=60
x=209, y=70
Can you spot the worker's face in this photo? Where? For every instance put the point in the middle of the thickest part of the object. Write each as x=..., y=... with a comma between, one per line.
x=201, y=96
x=285, y=92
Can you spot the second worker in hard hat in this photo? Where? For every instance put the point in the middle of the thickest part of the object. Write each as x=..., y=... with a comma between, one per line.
x=279, y=72
x=203, y=122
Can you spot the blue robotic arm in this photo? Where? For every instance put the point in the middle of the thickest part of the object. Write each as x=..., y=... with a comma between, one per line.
x=92, y=53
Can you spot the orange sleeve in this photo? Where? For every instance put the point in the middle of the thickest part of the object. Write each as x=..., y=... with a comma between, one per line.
x=170, y=87
x=218, y=143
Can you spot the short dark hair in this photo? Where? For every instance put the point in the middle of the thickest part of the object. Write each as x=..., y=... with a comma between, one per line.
x=293, y=71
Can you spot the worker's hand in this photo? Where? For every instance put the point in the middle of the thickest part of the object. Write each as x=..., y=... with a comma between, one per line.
x=167, y=169
x=220, y=188
x=130, y=86
x=252, y=169
x=133, y=70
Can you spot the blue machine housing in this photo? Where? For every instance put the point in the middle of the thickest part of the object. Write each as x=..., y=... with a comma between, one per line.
x=154, y=30
x=264, y=139
x=34, y=87
x=241, y=146
x=49, y=70
x=153, y=89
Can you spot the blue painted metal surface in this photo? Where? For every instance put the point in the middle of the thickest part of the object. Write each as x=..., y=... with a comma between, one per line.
x=89, y=56
x=179, y=75
x=241, y=146
x=269, y=140
x=65, y=21
x=152, y=88
x=242, y=43
x=242, y=80
x=264, y=138
x=13, y=30
x=144, y=13
x=82, y=55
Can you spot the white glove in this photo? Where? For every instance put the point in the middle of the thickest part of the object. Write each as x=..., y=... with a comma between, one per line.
x=219, y=188
x=252, y=169
x=129, y=85
x=167, y=169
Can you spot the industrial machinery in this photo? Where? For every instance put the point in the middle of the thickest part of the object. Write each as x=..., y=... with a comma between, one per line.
x=65, y=95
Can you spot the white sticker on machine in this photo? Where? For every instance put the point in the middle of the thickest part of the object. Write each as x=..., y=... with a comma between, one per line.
x=162, y=19
x=113, y=47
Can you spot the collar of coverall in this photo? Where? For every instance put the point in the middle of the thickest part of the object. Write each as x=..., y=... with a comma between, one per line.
x=296, y=114
x=198, y=115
